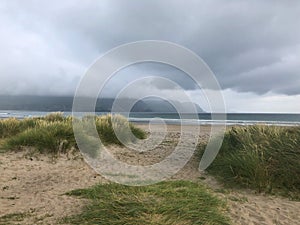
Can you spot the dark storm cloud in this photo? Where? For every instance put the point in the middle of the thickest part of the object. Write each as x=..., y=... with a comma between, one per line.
x=251, y=46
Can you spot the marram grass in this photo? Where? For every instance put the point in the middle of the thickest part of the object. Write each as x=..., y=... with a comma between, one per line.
x=107, y=124
x=265, y=158
x=54, y=132
x=165, y=203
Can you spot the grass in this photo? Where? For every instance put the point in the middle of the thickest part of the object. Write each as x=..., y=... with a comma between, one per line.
x=172, y=202
x=106, y=124
x=54, y=132
x=264, y=158
x=13, y=217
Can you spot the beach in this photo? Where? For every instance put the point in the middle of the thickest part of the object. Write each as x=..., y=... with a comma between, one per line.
x=33, y=185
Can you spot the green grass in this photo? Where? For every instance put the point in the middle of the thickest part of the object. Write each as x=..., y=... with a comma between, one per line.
x=105, y=126
x=172, y=202
x=13, y=217
x=12, y=126
x=54, y=132
x=46, y=138
x=264, y=158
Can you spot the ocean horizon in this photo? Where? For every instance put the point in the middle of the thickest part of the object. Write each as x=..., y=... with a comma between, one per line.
x=280, y=119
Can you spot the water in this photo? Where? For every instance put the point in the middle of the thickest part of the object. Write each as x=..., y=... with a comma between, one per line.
x=231, y=118
x=173, y=118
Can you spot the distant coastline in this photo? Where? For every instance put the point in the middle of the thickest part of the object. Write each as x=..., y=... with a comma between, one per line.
x=65, y=103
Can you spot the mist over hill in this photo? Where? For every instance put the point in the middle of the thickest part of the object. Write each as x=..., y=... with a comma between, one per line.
x=52, y=104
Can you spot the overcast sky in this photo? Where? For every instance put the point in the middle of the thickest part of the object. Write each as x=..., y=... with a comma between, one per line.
x=253, y=47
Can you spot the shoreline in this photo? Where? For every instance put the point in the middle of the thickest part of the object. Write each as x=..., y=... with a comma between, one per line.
x=232, y=119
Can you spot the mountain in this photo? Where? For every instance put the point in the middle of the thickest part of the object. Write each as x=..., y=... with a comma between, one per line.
x=52, y=104
x=36, y=103
x=164, y=106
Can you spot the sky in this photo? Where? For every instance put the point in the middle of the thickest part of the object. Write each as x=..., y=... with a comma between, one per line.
x=252, y=47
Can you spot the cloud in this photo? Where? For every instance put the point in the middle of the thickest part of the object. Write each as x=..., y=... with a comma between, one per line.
x=250, y=102
x=251, y=46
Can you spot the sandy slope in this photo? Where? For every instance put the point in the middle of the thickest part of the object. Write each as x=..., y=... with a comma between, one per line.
x=35, y=186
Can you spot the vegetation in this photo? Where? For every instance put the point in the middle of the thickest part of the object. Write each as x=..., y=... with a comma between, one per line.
x=107, y=124
x=265, y=158
x=54, y=132
x=172, y=202
x=13, y=217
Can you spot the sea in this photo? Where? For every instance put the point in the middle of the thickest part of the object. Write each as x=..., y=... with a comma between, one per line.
x=187, y=119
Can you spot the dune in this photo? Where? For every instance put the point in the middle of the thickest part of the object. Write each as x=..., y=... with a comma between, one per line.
x=33, y=186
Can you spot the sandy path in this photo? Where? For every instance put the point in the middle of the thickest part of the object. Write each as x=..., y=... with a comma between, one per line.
x=35, y=186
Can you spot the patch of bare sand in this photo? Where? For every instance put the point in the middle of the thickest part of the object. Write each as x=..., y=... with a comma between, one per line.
x=37, y=186
x=248, y=207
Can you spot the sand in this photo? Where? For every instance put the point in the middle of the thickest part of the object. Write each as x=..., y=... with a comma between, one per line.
x=32, y=187
x=36, y=186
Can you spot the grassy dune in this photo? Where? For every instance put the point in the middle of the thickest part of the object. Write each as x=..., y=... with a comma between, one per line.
x=265, y=158
x=173, y=202
x=54, y=132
